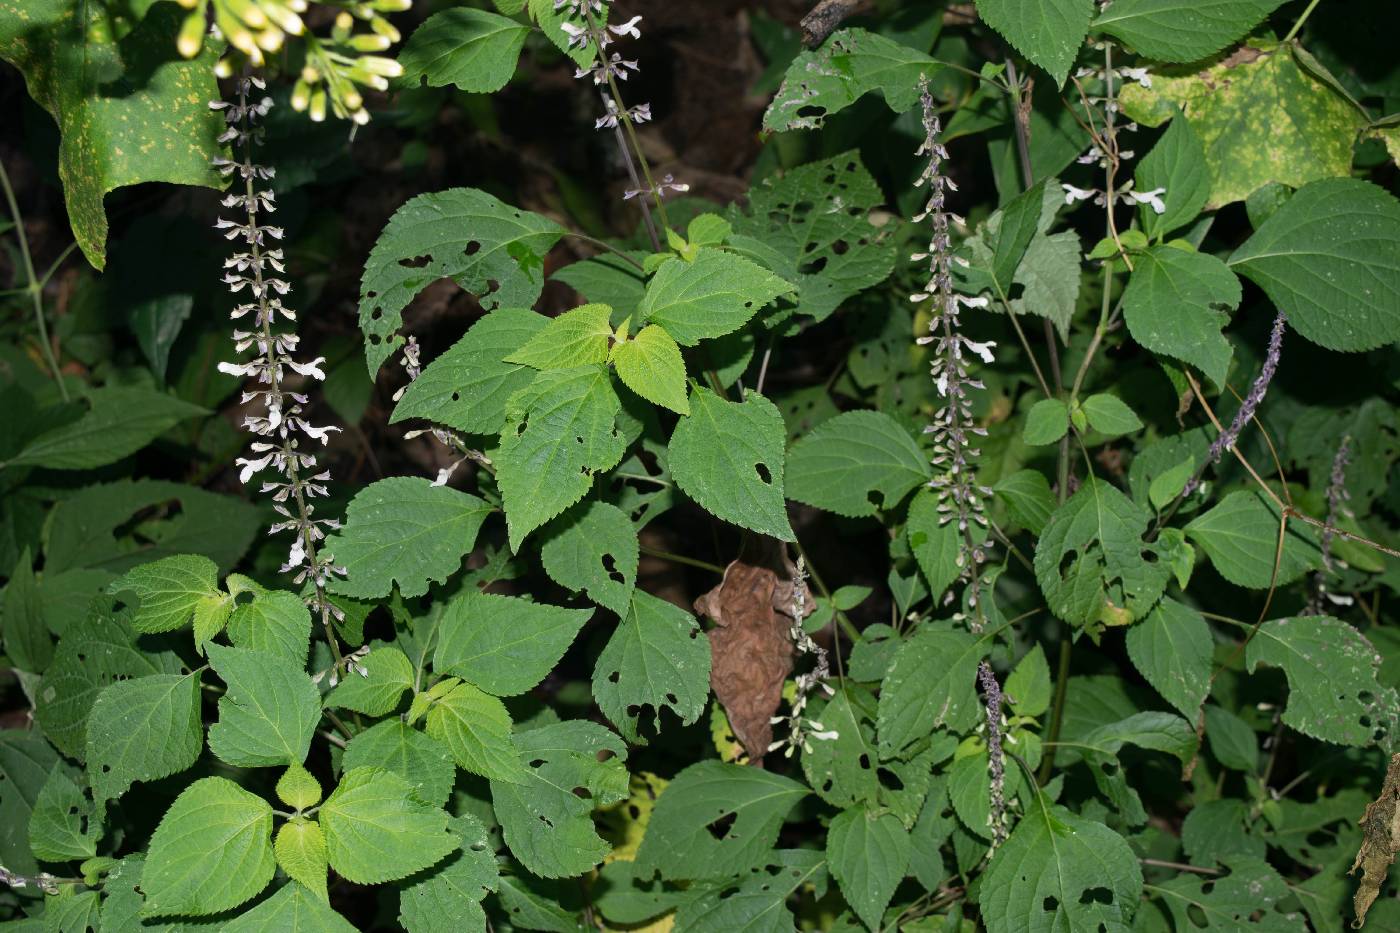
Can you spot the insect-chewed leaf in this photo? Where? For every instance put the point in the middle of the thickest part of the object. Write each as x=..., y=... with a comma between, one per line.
x=269, y=713
x=855, y=464
x=65, y=825
x=593, y=548
x=851, y=63
x=447, y=897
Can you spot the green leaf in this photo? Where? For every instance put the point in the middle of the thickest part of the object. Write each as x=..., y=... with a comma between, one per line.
x=572, y=768
x=931, y=684
x=1009, y=232
x=1046, y=422
x=1245, y=898
x=475, y=50
x=27, y=642
x=269, y=712
x=1108, y=414
x=869, y=855
x=117, y=423
x=577, y=337
x=550, y=17
x=1177, y=162
x=141, y=730
x=714, y=295
x=650, y=364
x=25, y=763
x=715, y=820
x=1092, y=562
x=390, y=673
x=211, y=852
x=490, y=249
x=1028, y=686
x=657, y=657
x=1182, y=30
x=1059, y=871
x=1048, y=32
x=1329, y=258
x=475, y=728
x=128, y=111
x=1232, y=741
x=467, y=387
x=293, y=909
x=1333, y=692
x=1174, y=305
x=171, y=591
x=560, y=432
x=273, y=621
x=448, y=898
x=300, y=848
x=1240, y=535
x=593, y=548
x=1172, y=649
x=936, y=543
x=851, y=63
x=756, y=901
x=1170, y=483
x=377, y=830
x=71, y=910
x=407, y=531
x=818, y=217
x=1028, y=499
x=858, y=463
x=1233, y=105
x=65, y=825
x=728, y=457
x=298, y=788
x=607, y=277
x=393, y=745
x=504, y=644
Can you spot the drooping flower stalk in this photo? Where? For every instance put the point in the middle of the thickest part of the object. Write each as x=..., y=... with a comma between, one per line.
x=801, y=729
x=996, y=759
x=954, y=430
x=1337, y=497
x=279, y=422
x=44, y=881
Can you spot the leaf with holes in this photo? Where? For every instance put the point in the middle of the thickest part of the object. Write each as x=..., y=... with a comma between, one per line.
x=1333, y=693
x=713, y=295
x=376, y=829
x=657, y=657
x=931, y=684
x=1246, y=898
x=492, y=250
x=858, y=463
x=504, y=644
x=593, y=548
x=475, y=728
x=728, y=457
x=560, y=432
x=851, y=63
x=65, y=825
x=572, y=768
x=141, y=730
x=448, y=897
x=715, y=820
x=1240, y=535
x=1092, y=562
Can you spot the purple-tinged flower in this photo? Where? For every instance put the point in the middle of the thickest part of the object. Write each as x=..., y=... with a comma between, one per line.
x=996, y=759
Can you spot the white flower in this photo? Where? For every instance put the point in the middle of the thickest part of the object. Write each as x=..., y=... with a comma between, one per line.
x=984, y=350
x=312, y=369
x=628, y=28
x=1073, y=194
x=251, y=466
x=1152, y=198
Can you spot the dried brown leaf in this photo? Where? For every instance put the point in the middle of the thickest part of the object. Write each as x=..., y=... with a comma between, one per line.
x=1380, y=827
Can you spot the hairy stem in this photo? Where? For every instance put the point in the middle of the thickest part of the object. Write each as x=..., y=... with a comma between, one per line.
x=33, y=284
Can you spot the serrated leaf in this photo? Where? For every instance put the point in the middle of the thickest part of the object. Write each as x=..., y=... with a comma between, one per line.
x=447, y=899
x=119, y=422
x=504, y=644
x=1092, y=562
x=657, y=657
x=817, y=217
x=715, y=820
x=1046, y=422
x=713, y=295
x=377, y=830
x=170, y=591
x=1333, y=693
x=298, y=788
x=1174, y=304
x=1240, y=535
x=1059, y=871
x=25, y=762
x=650, y=364
x=377, y=692
x=71, y=910
x=1028, y=499
x=756, y=901
x=475, y=50
x=406, y=531
x=571, y=769
x=1176, y=162
x=578, y=337
x=560, y=432
x=1242, y=899
x=1048, y=32
x=300, y=848
x=27, y=642
x=475, y=728
x=1232, y=741
x=273, y=621
x=728, y=457
x=141, y=730
x=1172, y=649
x=1027, y=687
x=1329, y=258
x=858, y=463
x=931, y=684
x=211, y=852
x=293, y=909
x=490, y=249
x=593, y=548
x=1182, y=30
x=467, y=387
x=423, y=762
x=269, y=712
x=936, y=543
x=607, y=277
x=1108, y=414
x=65, y=825
x=869, y=855
x=851, y=63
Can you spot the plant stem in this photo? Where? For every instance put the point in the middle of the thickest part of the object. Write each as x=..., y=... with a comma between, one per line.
x=34, y=285
x=681, y=559
x=1301, y=20
x=847, y=625
x=1057, y=712
x=608, y=247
